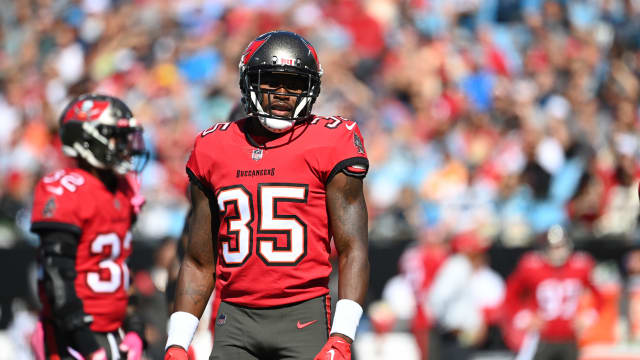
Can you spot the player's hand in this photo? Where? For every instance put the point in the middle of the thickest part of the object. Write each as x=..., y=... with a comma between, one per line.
x=99, y=354
x=132, y=345
x=176, y=353
x=336, y=348
x=137, y=200
x=528, y=321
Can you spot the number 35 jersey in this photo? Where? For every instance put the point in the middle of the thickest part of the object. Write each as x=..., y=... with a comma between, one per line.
x=75, y=201
x=274, y=236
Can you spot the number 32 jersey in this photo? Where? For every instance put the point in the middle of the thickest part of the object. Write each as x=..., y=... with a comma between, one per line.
x=75, y=201
x=274, y=236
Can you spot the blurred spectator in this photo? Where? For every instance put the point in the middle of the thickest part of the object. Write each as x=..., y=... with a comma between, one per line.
x=419, y=265
x=383, y=343
x=150, y=306
x=463, y=298
x=632, y=267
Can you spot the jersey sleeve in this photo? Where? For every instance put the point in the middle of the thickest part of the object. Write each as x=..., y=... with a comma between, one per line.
x=348, y=154
x=55, y=207
x=517, y=286
x=585, y=265
x=197, y=167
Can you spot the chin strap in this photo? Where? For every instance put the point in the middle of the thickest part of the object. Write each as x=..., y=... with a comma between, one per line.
x=276, y=125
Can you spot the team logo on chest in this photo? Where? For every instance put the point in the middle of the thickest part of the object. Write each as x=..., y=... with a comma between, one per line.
x=116, y=204
x=256, y=154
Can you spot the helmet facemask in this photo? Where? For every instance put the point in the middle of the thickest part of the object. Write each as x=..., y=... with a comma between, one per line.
x=267, y=89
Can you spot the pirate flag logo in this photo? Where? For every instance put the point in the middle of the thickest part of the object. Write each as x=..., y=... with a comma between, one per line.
x=358, y=143
x=49, y=208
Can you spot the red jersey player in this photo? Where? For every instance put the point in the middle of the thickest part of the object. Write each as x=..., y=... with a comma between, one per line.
x=543, y=294
x=268, y=193
x=83, y=216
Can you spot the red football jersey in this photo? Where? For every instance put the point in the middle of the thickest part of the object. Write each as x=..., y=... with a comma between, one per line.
x=76, y=201
x=274, y=236
x=551, y=292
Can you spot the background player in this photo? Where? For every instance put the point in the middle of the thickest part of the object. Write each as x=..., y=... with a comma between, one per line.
x=83, y=216
x=268, y=193
x=543, y=295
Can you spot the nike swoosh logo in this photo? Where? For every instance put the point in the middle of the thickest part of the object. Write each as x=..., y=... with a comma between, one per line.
x=332, y=352
x=304, y=325
x=350, y=127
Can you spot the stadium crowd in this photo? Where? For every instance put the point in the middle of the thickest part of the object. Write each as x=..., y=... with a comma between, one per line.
x=501, y=116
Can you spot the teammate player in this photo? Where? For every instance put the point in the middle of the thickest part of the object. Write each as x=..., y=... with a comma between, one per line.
x=543, y=294
x=269, y=192
x=83, y=216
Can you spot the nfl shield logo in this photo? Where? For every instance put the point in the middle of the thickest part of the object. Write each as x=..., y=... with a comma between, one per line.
x=256, y=154
x=221, y=320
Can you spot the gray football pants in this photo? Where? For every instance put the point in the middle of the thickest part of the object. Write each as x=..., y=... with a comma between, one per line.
x=297, y=331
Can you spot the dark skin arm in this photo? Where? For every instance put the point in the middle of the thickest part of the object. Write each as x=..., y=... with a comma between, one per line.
x=197, y=274
x=348, y=221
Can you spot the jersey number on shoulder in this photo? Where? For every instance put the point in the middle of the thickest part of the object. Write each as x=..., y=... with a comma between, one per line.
x=221, y=125
x=69, y=181
x=332, y=122
x=118, y=274
x=237, y=245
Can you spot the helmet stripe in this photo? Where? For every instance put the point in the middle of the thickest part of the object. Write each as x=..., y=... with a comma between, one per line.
x=250, y=50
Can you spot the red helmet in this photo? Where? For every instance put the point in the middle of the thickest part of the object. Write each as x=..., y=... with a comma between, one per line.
x=102, y=130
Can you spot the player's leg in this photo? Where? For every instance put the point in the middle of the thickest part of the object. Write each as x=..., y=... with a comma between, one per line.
x=233, y=337
x=298, y=331
x=110, y=342
x=545, y=351
x=569, y=351
x=55, y=343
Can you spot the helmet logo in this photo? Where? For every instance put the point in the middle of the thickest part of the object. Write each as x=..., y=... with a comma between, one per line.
x=86, y=110
x=86, y=105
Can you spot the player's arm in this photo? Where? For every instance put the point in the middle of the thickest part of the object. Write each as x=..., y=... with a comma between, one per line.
x=197, y=272
x=348, y=218
x=517, y=293
x=58, y=251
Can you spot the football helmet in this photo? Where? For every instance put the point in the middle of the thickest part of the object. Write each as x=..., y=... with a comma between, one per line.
x=273, y=53
x=102, y=130
x=557, y=246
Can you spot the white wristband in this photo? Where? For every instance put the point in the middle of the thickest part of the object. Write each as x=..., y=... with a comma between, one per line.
x=182, y=326
x=346, y=318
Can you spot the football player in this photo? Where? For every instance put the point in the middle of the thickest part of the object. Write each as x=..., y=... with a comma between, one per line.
x=83, y=216
x=543, y=294
x=269, y=192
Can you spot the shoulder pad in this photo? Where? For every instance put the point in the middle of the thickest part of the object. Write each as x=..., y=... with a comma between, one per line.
x=57, y=201
x=532, y=260
x=581, y=259
x=62, y=182
x=334, y=123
